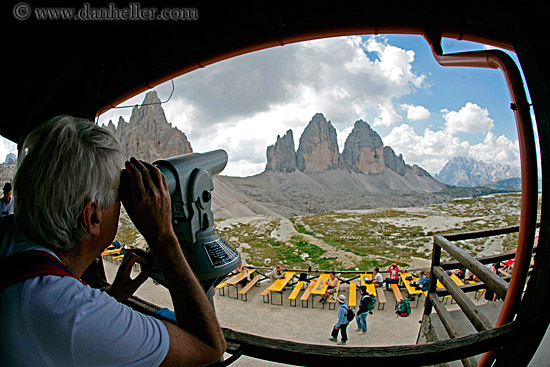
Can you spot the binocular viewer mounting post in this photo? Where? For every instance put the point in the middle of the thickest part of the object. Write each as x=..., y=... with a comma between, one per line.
x=189, y=178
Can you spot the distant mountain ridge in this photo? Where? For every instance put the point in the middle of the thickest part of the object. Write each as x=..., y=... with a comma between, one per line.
x=312, y=179
x=363, y=153
x=468, y=172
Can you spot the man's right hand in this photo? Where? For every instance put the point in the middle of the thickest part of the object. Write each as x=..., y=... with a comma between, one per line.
x=146, y=197
x=197, y=338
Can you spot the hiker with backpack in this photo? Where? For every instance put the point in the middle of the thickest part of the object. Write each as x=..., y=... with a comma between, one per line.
x=345, y=315
x=366, y=304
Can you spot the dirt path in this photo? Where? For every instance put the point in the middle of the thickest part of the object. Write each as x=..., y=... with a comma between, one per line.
x=348, y=259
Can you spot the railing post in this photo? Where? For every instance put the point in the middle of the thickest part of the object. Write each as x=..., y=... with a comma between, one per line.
x=436, y=261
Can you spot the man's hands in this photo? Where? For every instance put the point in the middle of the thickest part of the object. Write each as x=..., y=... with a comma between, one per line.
x=124, y=286
x=145, y=195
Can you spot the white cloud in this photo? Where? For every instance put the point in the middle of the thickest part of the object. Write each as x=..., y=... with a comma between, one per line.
x=387, y=115
x=416, y=113
x=6, y=146
x=496, y=149
x=469, y=119
x=434, y=148
x=242, y=104
x=263, y=94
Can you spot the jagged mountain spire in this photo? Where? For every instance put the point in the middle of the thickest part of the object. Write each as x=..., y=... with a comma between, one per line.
x=281, y=156
x=148, y=135
x=318, y=149
x=364, y=151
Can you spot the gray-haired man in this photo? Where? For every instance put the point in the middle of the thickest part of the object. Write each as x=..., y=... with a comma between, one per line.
x=67, y=208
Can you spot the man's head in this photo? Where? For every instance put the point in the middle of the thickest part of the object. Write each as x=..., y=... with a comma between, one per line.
x=7, y=190
x=376, y=270
x=394, y=265
x=363, y=289
x=332, y=274
x=341, y=298
x=279, y=268
x=66, y=164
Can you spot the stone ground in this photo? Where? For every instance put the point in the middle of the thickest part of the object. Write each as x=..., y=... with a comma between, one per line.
x=298, y=324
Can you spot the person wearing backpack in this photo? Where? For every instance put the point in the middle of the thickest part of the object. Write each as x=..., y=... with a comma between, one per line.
x=365, y=305
x=343, y=321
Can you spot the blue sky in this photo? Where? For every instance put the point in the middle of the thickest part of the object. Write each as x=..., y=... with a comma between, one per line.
x=424, y=111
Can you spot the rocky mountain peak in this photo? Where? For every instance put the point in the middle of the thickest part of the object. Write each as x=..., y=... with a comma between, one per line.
x=318, y=148
x=394, y=162
x=363, y=150
x=148, y=135
x=282, y=156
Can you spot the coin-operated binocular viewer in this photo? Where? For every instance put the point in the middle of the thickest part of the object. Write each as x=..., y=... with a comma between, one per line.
x=189, y=178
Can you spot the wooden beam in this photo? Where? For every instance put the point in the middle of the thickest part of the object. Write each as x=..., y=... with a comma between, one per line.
x=478, y=234
x=483, y=233
x=491, y=280
x=449, y=324
x=444, y=315
x=284, y=351
x=471, y=311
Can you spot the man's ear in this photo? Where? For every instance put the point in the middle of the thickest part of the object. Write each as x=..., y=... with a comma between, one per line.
x=91, y=217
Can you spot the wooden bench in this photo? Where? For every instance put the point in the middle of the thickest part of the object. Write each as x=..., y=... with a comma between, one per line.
x=295, y=291
x=305, y=296
x=381, y=297
x=221, y=288
x=247, y=287
x=352, y=295
x=396, y=293
x=332, y=298
x=265, y=295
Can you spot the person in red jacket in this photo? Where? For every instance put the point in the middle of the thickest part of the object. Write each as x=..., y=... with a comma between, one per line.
x=393, y=272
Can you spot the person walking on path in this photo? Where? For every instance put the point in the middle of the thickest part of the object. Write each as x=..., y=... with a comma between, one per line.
x=342, y=323
x=363, y=311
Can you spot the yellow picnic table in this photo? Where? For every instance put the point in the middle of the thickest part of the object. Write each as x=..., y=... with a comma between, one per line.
x=455, y=279
x=279, y=285
x=363, y=280
x=321, y=285
x=412, y=290
x=371, y=288
x=109, y=252
x=236, y=279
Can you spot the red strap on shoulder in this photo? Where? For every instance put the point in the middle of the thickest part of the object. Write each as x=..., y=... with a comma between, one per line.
x=30, y=264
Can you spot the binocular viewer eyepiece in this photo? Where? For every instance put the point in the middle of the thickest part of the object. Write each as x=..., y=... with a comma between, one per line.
x=189, y=179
